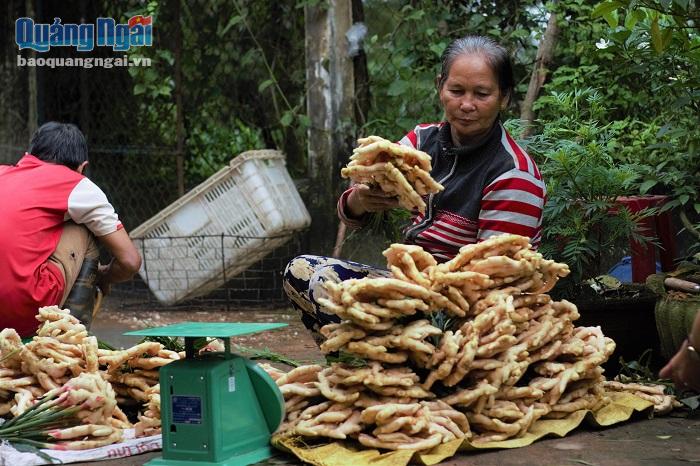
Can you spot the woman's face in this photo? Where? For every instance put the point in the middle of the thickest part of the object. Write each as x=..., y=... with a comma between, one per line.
x=471, y=98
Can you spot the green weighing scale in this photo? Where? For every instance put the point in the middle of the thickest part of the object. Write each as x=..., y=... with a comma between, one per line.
x=218, y=408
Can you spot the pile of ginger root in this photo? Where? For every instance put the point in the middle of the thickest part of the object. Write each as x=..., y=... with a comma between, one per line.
x=473, y=348
x=62, y=362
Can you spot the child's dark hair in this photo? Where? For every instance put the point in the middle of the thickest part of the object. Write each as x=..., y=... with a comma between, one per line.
x=60, y=143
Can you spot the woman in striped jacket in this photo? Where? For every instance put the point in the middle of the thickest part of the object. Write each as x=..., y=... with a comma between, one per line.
x=491, y=185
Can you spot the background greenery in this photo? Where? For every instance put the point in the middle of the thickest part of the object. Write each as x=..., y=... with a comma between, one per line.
x=619, y=113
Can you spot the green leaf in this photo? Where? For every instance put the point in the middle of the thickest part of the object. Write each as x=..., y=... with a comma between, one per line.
x=415, y=15
x=266, y=353
x=396, y=88
x=633, y=17
x=167, y=55
x=663, y=130
x=621, y=36
x=647, y=185
x=25, y=448
x=681, y=3
x=681, y=101
x=604, y=8
x=304, y=120
x=611, y=19
x=696, y=206
x=684, y=198
x=169, y=343
x=139, y=89
x=231, y=22
x=656, y=39
x=437, y=48
x=265, y=84
x=666, y=37
x=150, y=75
x=286, y=119
x=346, y=358
x=101, y=344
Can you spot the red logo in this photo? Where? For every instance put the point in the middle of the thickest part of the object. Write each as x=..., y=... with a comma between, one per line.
x=139, y=19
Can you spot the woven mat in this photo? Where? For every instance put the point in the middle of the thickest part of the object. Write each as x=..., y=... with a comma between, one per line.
x=353, y=454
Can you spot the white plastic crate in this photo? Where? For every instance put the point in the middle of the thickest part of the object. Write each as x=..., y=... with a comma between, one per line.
x=221, y=227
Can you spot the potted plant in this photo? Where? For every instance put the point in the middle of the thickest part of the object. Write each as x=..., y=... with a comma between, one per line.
x=584, y=224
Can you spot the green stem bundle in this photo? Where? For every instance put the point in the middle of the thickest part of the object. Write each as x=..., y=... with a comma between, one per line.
x=37, y=421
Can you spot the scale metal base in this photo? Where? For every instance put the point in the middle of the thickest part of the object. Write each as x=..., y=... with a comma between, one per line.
x=217, y=409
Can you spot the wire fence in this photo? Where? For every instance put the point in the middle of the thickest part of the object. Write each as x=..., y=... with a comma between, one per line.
x=201, y=275
x=132, y=148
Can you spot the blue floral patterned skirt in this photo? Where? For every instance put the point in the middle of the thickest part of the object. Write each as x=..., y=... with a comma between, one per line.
x=303, y=280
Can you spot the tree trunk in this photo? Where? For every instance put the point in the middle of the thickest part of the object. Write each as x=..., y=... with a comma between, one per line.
x=330, y=86
x=361, y=105
x=545, y=52
x=179, y=116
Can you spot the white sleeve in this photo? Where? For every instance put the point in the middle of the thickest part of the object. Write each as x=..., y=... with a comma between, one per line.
x=88, y=205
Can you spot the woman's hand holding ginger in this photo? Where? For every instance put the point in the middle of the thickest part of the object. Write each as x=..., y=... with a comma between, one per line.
x=363, y=199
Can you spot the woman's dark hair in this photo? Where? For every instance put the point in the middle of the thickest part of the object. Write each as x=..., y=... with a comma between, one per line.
x=495, y=54
x=60, y=143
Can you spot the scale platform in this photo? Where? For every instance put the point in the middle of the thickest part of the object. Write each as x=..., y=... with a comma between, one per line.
x=217, y=409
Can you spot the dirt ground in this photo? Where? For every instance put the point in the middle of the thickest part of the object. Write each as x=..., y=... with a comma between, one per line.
x=661, y=441
x=292, y=341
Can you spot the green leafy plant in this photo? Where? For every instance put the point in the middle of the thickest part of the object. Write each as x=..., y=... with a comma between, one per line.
x=240, y=88
x=583, y=222
x=440, y=320
x=390, y=224
x=169, y=343
x=101, y=344
x=660, y=40
x=639, y=370
x=653, y=101
x=212, y=145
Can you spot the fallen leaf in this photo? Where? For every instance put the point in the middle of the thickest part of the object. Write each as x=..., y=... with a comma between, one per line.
x=567, y=446
x=692, y=402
